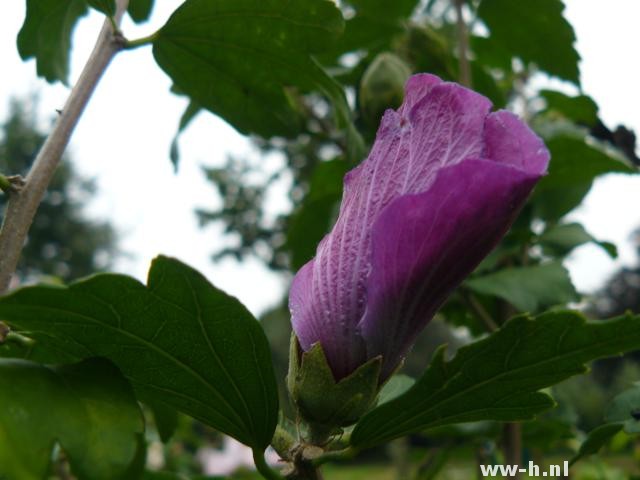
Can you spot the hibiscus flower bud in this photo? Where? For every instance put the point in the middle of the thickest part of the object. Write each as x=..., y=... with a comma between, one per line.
x=444, y=181
x=382, y=86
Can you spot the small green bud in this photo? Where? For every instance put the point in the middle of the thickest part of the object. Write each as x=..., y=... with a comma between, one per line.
x=324, y=404
x=382, y=86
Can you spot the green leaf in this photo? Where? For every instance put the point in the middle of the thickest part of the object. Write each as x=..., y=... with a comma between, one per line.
x=108, y=7
x=573, y=167
x=554, y=203
x=529, y=289
x=89, y=408
x=574, y=162
x=165, y=418
x=140, y=10
x=525, y=356
x=535, y=32
x=597, y=438
x=395, y=386
x=561, y=239
x=375, y=24
x=179, y=339
x=625, y=408
x=313, y=219
x=581, y=109
x=46, y=35
x=192, y=110
x=247, y=61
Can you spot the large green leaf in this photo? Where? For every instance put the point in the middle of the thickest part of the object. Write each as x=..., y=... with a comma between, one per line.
x=247, y=60
x=88, y=408
x=528, y=288
x=499, y=377
x=180, y=341
x=46, y=35
x=535, y=32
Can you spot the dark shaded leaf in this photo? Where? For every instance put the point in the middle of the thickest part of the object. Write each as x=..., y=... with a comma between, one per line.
x=140, y=10
x=165, y=418
x=46, y=35
x=529, y=289
x=180, y=341
x=526, y=355
x=108, y=7
x=247, y=61
x=535, y=32
x=597, y=438
x=88, y=408
x=375, y=24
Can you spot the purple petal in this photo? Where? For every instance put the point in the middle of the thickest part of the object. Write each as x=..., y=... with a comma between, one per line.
x=416, y=88
x=424, y=245
x=509, y=140
x=415, y=219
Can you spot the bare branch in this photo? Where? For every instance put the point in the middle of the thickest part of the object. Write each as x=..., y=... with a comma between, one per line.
x=22, y=206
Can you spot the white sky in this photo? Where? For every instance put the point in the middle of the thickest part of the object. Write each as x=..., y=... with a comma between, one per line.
x=124, y=136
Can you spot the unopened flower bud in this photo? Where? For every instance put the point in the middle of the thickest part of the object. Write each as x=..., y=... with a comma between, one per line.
x=382, y=86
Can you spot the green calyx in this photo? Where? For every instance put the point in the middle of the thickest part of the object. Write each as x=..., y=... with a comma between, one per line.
x=324, y=404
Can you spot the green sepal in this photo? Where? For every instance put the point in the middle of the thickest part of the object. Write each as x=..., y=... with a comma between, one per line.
x=327, y=405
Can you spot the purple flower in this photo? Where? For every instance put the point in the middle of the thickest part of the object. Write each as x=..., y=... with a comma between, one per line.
x=443, y=183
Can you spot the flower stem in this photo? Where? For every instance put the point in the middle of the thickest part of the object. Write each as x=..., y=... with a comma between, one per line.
x=344, y=454
x=22, y=208
x=263, y=468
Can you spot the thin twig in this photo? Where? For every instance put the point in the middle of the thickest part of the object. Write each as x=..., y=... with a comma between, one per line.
x=512, y=439
x=480, y=312
x=463, y=46
x=22, y=207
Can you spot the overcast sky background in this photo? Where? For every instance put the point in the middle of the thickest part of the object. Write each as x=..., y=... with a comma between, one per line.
x=124, y=136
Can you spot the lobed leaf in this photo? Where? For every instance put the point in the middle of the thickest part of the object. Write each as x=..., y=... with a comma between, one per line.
x=46, y=35
x=246, y=60
x=535, y=32
x=499, y=377
x=89, y=408
x=179, y=341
